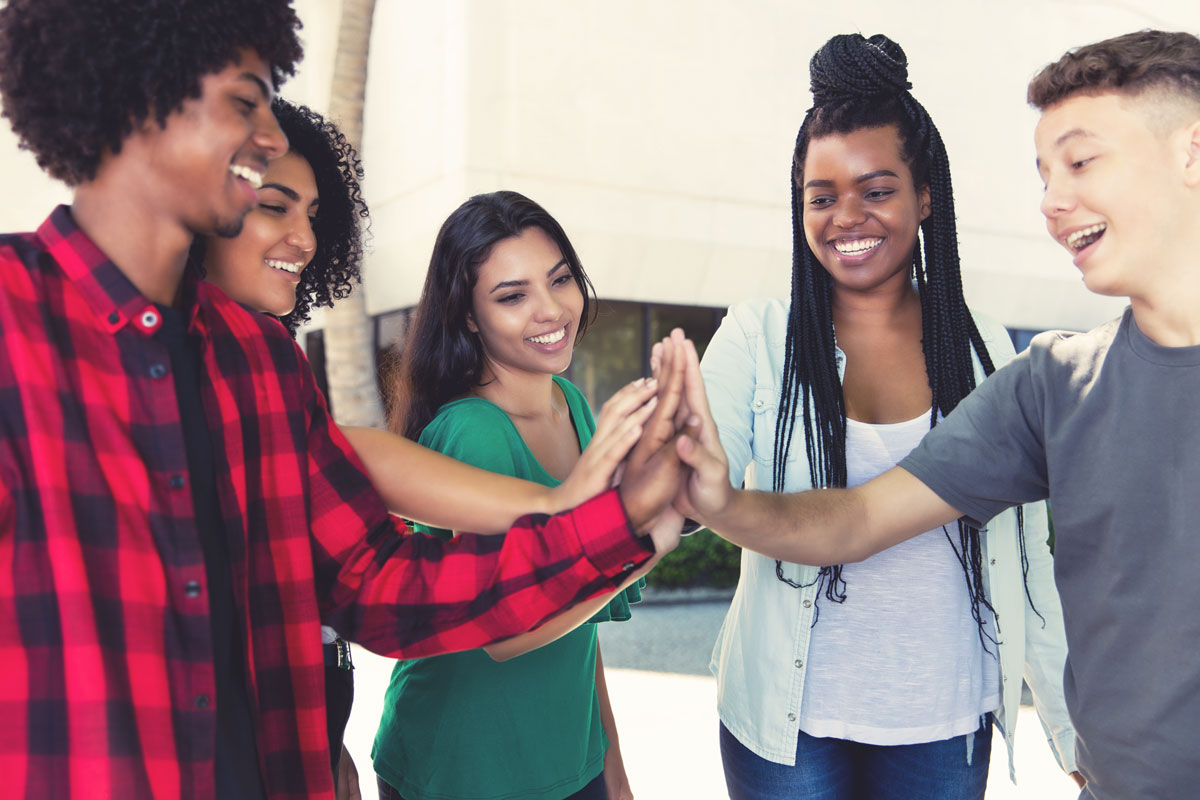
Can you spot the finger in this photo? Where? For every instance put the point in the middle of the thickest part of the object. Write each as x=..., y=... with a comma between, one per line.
x=628, y=399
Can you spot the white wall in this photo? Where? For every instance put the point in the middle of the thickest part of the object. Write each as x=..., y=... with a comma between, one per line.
x=660, y=133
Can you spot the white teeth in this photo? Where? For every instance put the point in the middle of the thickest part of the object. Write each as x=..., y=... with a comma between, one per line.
x=550, y=338
x=1085, y=236
x=286, y=266
x=254, y=178
x=851, y=247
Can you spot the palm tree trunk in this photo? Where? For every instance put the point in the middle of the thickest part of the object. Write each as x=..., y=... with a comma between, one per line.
x=349, y=331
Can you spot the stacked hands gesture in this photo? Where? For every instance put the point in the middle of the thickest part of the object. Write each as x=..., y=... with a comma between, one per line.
x=677, y=468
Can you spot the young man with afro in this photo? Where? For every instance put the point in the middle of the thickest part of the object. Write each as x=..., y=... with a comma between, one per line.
x=1104, y=423
x=178, y=514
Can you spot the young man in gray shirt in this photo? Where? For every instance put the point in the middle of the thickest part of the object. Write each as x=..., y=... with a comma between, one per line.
x=1104, y=424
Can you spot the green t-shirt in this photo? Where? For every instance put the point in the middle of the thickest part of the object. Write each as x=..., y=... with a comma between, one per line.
x=464, y=727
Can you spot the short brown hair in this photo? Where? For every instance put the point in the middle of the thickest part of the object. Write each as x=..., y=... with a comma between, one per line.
x=1130, y=64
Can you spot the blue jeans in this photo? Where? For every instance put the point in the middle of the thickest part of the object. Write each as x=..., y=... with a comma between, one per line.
x=837, y=769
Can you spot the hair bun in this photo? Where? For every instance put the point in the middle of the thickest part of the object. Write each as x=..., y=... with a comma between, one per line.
x=849, y=67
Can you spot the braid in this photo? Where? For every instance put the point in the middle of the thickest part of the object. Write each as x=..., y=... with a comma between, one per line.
x=863, y=83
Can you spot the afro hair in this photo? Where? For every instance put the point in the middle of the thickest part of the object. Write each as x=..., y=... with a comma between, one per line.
x=77, y=77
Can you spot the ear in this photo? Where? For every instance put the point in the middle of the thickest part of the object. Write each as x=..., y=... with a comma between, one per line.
x=926, y=206
x=1191, y=142
x=471, y=326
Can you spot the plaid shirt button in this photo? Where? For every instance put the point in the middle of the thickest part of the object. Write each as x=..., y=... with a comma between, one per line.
x=192, y=588
x=157, y=370
x=201, y=701
x=178, y=481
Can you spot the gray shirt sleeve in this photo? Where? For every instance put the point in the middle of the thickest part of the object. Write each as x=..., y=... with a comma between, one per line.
x=989, y=453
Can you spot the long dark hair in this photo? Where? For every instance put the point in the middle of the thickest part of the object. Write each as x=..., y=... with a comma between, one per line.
x=862, y=83
x=442, y=359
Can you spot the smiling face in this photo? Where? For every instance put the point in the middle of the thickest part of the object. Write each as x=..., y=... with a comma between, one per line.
x=202, y=168
x=861, y=211
x=526, y=306
x=1115, y=191
x=261, y=266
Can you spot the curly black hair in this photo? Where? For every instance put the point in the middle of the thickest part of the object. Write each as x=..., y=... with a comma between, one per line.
x=77, y=77
x=334, y=269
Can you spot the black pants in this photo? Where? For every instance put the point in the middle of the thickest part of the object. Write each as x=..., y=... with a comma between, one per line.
x=339, y=696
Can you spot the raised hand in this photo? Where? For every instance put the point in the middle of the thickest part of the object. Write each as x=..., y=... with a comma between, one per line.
x=618, y=428
x=653, y=471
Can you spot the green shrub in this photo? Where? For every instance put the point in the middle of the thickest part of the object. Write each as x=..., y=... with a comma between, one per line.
x=702, y=559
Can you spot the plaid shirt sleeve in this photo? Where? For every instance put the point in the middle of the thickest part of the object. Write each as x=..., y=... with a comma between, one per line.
x=407, y=596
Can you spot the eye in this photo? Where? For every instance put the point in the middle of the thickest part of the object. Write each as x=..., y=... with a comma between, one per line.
x=246, y=104
x=272, y=208
x=880, y=194
x=1083, y=162
x=510, y=299
x=563, y=279
x=820, y=202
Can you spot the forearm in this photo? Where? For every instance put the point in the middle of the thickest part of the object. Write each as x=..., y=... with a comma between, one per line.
x=425, y=486
x=413, y=596
x=607, y=719
x=831, y=526
x=563, y=623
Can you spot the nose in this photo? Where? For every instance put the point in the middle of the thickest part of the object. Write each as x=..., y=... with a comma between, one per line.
x=302, y=237
x=1055, y=200
x=849, y=212
x=267, y=133
x=549, y=308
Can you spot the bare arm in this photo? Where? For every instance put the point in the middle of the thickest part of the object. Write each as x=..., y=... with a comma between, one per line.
x=564, y=623
x=425, y=486
x=616, y=781
x=824, y=526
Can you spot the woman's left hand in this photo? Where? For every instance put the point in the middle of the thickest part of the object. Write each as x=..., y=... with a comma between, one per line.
x=616, y=782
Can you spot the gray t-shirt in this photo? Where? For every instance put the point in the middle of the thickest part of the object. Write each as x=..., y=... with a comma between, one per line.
x=1107, y=425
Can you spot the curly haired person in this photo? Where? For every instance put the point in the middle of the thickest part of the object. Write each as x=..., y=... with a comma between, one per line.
x=178, y=514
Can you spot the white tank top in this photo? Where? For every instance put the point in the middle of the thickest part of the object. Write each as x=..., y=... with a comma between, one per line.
x=900, y=662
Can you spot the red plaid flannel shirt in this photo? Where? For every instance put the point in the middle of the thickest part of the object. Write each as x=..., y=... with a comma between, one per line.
x=106, y=674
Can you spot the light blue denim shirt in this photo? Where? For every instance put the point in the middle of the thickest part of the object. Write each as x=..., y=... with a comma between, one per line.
x=760, y=654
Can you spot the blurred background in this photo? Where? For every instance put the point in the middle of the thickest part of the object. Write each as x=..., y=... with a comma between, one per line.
x=660, y=135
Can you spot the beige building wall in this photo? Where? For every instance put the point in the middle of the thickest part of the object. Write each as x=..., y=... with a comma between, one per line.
x=660, y=132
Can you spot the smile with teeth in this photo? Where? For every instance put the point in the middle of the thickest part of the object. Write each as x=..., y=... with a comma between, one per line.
x=854, y=247
x=253, y=177
x=286, y=266
x=549, y=338
x=1085, y=236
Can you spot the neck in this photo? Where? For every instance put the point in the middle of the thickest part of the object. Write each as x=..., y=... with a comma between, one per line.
x=885, y=306
x=520, y=394
x=1173, y=321
x=149, y=247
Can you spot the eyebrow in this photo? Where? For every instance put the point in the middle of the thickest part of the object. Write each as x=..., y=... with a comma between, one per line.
x=512, y=284
x=1074, y=133
x=867, y=176
x=289, y=193
x=257, y=81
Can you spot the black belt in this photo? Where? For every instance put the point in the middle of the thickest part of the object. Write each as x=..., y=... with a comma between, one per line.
x=337, y=654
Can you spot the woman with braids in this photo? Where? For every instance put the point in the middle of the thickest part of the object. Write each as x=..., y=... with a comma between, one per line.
x=504, y=302
x=301, y=247
x=880, y=678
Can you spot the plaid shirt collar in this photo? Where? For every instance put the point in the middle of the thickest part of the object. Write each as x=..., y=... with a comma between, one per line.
x=112, y=296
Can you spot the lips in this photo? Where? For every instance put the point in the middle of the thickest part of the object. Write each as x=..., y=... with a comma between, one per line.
x=856, y=246
x=1079, y=239
x=554, y=337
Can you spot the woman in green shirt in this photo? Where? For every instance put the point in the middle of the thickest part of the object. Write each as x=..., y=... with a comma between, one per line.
x=504, y=302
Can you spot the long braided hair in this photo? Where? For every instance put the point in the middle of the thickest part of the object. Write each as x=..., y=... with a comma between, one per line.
x=862, y=83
